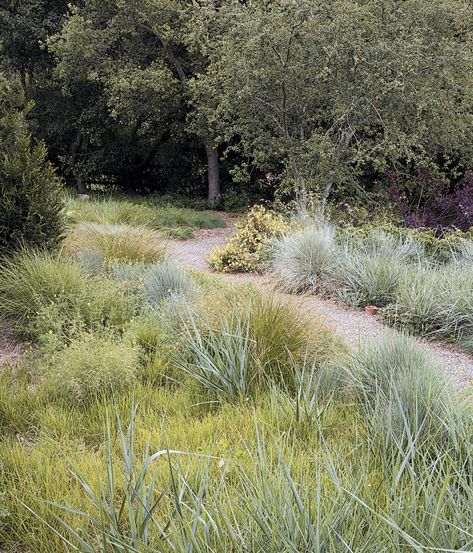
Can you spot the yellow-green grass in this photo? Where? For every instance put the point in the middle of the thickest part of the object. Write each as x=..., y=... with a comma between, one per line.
x=258, y=465
x=36, y=461
x=323, y=453
x=123, y=243
x=174, y=221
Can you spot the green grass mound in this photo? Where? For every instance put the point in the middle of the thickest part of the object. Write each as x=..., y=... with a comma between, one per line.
x=177, y=222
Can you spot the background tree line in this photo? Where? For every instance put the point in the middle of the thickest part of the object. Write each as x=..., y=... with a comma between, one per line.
x=345, y=99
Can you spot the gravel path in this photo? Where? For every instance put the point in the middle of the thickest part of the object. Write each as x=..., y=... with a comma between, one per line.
x=11, y=348
x=357, y=327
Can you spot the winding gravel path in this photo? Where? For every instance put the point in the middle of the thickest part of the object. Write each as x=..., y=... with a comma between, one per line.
x=355, y=326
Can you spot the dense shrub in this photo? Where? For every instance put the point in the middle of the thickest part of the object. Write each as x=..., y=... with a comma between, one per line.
x=91, y=367
x=243, y=251
x=433, y=200
x=31, y=201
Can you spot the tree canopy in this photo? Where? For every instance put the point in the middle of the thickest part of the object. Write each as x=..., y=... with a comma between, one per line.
x=314, y=99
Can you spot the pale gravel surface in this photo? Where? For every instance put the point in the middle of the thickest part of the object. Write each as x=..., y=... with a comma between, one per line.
x=357, y=327
x=11, y=348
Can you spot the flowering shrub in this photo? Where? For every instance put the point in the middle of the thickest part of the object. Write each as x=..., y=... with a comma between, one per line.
x=243, y=252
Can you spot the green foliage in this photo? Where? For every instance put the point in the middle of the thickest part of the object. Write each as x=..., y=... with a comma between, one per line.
x=284, y=338
x=286, y=113
x=155, y=334
x=169, y=217
x=246, y=344
x=369, y=272
x=107, y=211
x=31, y=201
x=435, y=301
x=18, y=406
x=338, y=128
x=243, y=252
x=401, y=271
x=178, y=222
x=89, y=368
x=102, y=306
x=50, y=299
x=440, y=249
x=127, y=526
x=219, y=360
x=291, y=493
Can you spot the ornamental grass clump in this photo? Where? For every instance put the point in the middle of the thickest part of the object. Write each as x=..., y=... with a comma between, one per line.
x=32, y=280
x=92, y=367
x=219, y=360
x=252, y=341
x=165, y=280
x=244, y=252
x=417, y=305
x=368, y=271
x=116, y=243
x=406, y=398
x=283, y=336
x=301, y=260
x=434, y=302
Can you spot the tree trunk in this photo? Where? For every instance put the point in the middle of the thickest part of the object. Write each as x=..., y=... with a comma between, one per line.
x=74, y=150
x=320, y=209
x=81, y=189
x=213, y=173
